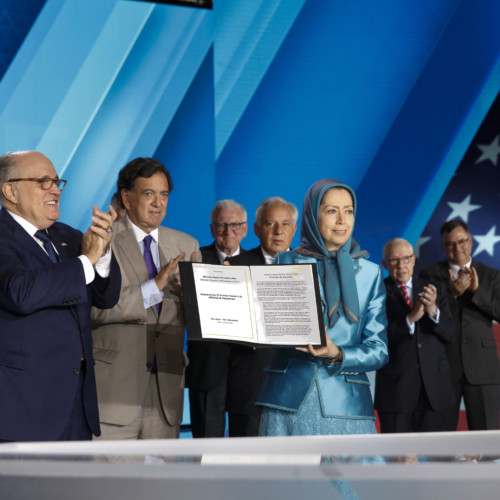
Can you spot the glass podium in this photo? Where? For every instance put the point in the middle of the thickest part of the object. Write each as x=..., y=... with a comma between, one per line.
x=396, y=466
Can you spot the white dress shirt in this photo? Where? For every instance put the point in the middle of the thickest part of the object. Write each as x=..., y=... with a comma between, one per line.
x=223, y=256
x=102, y=265
x=151, y=294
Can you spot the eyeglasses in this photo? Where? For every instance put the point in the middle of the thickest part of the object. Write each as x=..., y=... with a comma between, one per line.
x=395, y=261
x=44, y=182
x=452, y=244
x=220, y=227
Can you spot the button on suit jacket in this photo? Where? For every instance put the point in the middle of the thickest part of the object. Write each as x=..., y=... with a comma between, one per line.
x=415, y=359
x=207, y=359
x=127, y=337
x=44, y=329
x=474, y=351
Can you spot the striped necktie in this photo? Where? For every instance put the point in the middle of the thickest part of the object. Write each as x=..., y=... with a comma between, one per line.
x=406, y=296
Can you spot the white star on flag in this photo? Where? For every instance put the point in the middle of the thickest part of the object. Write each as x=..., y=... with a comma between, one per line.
x=421, y=241
x=490, y=151
x=462, y=209
x=487, y=242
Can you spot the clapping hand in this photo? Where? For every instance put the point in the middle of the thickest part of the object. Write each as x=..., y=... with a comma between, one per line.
x=98, y=236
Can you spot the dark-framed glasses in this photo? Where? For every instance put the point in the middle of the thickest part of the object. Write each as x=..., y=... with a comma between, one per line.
x=395, y=261
x=220, y=227
x=44, y=182
x=459, y=243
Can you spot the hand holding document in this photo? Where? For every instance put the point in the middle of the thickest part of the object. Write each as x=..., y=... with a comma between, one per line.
x=257, y=305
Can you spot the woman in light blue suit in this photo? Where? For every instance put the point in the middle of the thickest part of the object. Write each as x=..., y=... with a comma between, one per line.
x=325, y=390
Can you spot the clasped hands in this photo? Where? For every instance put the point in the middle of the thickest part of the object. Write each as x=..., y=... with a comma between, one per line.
x=426, y=303
x=467, y=280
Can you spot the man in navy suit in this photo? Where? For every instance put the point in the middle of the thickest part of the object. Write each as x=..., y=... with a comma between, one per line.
x=50, y=276
x=414, y=390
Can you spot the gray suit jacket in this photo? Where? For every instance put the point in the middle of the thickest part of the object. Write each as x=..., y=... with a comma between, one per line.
x=127, y=337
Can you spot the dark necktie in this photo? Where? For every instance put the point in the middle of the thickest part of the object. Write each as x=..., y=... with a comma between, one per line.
x=150, y=265
x=47, y=245
x=152, y=271
x=148, y=257
x=406, y=296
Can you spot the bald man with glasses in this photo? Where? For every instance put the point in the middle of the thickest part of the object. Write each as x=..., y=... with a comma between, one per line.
x=414, y=390
x=50, y=276
x=474, y=296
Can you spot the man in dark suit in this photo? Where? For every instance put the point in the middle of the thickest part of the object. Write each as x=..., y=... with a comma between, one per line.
x=206, y=374
x=474, y=296
x=50, y=276
x=275, y=226
x=414, y=390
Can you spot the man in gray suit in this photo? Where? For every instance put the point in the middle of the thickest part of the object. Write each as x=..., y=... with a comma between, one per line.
x=139, y=344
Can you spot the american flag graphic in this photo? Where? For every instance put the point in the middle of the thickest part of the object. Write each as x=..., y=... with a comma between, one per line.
x=473, y=195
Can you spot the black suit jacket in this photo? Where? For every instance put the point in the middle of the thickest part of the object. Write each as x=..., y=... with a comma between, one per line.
x=253, y=257
x=207, y=359
x=474, y=352
x=44, y=329
x=415, y=359
x=246, y=363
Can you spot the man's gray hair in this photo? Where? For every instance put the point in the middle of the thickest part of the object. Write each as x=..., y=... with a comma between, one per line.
x=7, y=170
x=223, y=204
x=275, y=200
x=391, y=243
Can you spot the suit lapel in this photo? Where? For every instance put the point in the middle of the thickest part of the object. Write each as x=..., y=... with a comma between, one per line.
x=258, y=256
x=394, y=292
x=165, y=247
x=64, y=248
x=211, y=255
x=26, y=241
x=418, y=286
x=130, y=251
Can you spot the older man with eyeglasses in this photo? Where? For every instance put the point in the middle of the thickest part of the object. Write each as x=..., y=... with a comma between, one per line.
x=474, y=296
x=207, y=373
x=414, y=390
x=50, y=276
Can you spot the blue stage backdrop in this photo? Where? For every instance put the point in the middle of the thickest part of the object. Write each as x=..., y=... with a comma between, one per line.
x=260, y=98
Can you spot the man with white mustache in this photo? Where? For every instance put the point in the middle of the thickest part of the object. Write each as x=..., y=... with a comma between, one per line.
x=50, y=276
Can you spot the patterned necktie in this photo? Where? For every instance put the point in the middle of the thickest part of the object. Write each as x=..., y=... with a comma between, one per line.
x=406, y=296
x=47, y=245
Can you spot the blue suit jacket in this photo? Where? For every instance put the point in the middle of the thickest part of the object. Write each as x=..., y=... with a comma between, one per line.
x=344, y=388
x=44, y=330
